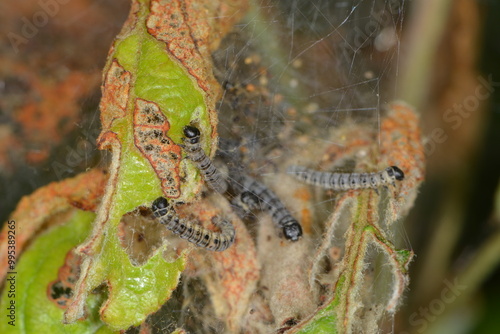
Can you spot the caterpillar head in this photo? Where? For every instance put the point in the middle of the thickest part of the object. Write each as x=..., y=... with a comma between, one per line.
x=292, y=231
x=160, y=206
x=398, y=173
x=192, y=134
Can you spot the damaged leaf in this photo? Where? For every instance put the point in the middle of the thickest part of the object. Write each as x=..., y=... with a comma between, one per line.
x=234, y=273
x=158, y=79
x=363, y=218
x=34, y=312
x=47, y=204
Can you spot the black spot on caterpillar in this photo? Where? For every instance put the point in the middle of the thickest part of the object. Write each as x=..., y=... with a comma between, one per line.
x=255, y=195
x=192, y=232
x=347, y=181
x=196, y=154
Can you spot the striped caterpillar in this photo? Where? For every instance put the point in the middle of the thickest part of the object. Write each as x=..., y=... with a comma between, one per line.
x=347, y=181
x=192, y=232
x=255, y=195
x=196, y=154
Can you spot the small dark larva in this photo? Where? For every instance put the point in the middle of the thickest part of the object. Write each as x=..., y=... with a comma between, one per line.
x=192, y=232
x=347, y=181
x=255, y=195
x=196, y=154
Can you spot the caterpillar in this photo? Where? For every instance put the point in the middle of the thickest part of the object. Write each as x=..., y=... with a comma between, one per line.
x=255, y=195
x=347, y=181
x=192, y=232
x=196, y=154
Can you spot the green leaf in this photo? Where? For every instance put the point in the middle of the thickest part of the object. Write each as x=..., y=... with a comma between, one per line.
x=139, y=72
x=38, y=266
x=323, y=322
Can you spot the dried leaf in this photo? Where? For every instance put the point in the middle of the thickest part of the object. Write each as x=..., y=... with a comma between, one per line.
x=234, y=273
x=358, y=302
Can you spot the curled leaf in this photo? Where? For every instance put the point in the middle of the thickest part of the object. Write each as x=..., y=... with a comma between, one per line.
x=38, y=267
x=157, y=80
x=34, y=211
